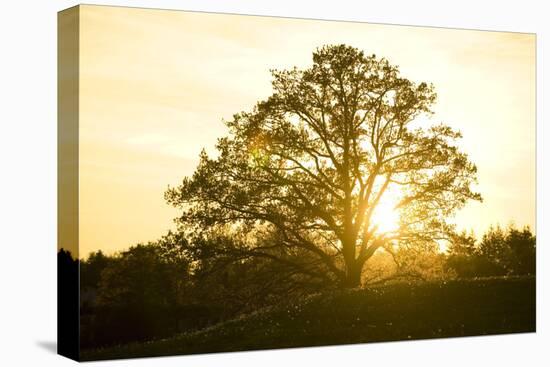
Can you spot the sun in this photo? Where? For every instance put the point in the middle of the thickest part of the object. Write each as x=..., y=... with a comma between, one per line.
x=385, y=216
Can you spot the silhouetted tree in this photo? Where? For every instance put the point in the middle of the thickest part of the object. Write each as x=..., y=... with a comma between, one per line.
x=91, y=269
x=463, y=255
x=509, y=251
x=171, y=285
x=500, y=252
x=522, y=244
x=312, y=162
x=226, y=274
x=141, y=293
x=462, y=244
x=494, y=249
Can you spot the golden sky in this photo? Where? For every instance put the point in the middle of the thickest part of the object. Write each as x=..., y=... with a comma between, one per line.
x=155, y=86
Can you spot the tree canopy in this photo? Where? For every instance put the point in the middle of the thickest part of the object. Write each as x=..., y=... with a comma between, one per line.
x=308, y=167
x=501, y=251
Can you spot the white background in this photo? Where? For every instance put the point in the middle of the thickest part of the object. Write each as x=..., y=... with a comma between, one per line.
x=28, y=184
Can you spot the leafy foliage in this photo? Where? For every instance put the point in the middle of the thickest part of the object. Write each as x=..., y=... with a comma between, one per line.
x=137, y=294
x=171, y=285
x=500, y=252
x=174, y=285
x=310, y=164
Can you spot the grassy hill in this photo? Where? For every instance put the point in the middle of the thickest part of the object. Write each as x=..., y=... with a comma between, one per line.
x=398, y=311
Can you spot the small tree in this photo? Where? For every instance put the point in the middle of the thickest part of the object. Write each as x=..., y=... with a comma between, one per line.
x=91, y=268
x=510, y=250
x=522, y=245
x=313, y=162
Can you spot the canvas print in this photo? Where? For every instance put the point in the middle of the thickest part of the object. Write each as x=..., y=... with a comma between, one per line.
x=234, y=183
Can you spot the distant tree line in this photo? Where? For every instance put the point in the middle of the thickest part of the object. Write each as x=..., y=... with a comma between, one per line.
x=175, y=284
x=509, y=251
x=157, y=289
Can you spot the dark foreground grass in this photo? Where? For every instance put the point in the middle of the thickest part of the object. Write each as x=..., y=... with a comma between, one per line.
x=399, y=311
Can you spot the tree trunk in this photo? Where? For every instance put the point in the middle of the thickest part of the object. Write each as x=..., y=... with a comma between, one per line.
x=353, y=275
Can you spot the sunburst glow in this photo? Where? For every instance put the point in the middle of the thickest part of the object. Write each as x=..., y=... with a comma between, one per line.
x=385, y=216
